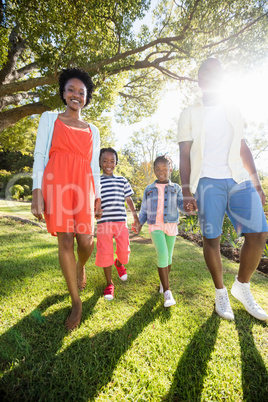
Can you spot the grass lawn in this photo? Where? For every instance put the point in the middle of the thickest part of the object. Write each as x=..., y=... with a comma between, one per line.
x=129, y=349
x=16, y=208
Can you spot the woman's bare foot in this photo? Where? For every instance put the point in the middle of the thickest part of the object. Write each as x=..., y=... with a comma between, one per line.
x=81, y=276
x=74, y=317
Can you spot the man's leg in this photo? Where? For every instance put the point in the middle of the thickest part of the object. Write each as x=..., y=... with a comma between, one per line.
x=212, y=255
x=212, y=197
x=250, y=255
x=246, y=213
x=211, y=250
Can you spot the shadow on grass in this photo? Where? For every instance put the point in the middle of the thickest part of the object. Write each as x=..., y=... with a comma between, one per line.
x=96, y=358
x=192, y=368
x=28, y=349
x=254, y=372
x=82, y=369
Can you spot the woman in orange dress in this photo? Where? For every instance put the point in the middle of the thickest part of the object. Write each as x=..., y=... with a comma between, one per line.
x=66, y=181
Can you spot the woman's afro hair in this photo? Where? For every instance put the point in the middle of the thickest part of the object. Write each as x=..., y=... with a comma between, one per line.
x=69, y=73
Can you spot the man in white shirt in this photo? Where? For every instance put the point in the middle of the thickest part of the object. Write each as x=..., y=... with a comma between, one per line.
x=218, y=175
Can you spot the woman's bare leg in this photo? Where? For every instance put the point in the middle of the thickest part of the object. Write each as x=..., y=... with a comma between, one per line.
x=85, y=244
x=68, y=267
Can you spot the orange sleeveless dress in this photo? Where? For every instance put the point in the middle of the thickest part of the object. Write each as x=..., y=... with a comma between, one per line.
x=68, y=186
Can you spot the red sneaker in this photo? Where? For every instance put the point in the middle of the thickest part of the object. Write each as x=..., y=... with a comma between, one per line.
x=122, y=272
x=109, y=292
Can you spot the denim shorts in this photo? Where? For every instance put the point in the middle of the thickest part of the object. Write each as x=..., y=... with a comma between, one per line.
x=241, y=202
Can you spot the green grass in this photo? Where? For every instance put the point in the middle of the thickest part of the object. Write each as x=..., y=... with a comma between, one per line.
x=130, y=349
x=16, y=208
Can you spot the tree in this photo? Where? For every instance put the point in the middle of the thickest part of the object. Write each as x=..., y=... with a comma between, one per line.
x=128, y=167
x=15, y=161
x=20, y=137
x=257, y=135
x=38, y=39
x=144, y=146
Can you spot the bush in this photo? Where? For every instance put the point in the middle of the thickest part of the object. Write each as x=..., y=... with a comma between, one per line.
x=27, y=189
x=25, y=180
x=17, y=191
x=8, y=180
x=265, y=208
x=4, y=179
x=15, y=161
x=189, y=223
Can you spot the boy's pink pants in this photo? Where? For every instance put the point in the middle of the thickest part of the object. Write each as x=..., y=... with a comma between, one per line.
x=106, y=231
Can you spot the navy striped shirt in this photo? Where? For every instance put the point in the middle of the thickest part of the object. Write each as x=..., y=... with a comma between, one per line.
x=114, y=191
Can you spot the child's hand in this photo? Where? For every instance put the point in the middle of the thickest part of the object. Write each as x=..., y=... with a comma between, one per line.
x=98, y=213
x=136, y=227
x=191, y=207
x=97, y=210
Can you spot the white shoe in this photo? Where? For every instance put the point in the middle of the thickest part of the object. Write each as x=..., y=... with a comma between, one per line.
x=222, y=304
x=169, y=300
x=241, y=291
x=161, y=290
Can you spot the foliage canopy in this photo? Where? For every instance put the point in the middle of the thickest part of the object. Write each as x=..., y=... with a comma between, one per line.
x=38, y=39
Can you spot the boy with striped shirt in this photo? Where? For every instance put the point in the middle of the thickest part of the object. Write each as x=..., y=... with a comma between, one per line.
x=115, y=190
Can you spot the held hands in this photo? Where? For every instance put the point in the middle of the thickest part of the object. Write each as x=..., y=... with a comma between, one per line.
x=37, y=207
x=136, y=226
x=189, y=204
x=97, y=210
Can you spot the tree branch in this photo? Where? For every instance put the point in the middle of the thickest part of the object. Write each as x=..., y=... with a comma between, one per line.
x=18, y=74
x=16, y=47
x=10, y=88
x=26, y=85
x=15, y=99
x=170, y=74
x=236, y=34
x=122, y=56
x=10, y=117
x=260, y=151
x=155, y=64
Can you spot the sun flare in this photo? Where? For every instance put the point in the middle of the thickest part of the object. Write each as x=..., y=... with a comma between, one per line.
x=250, y=93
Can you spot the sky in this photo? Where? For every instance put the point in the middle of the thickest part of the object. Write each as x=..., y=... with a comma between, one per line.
x=249, y=91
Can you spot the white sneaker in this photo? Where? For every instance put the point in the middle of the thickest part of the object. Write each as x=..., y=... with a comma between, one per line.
x=169, y=300
x=222, y=304
x=161, y=290
x=241, y=291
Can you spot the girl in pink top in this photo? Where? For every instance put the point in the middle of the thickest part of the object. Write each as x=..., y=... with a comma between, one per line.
x=160, y=208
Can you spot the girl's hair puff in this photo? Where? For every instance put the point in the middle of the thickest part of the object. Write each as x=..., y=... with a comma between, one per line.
x=109, y=149
x=81, y=75
x=165, y=159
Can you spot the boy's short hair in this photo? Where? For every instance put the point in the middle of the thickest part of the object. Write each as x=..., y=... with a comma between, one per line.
x=165, y=159
x=211, y=61
x=210, y=73
x=109, y=149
